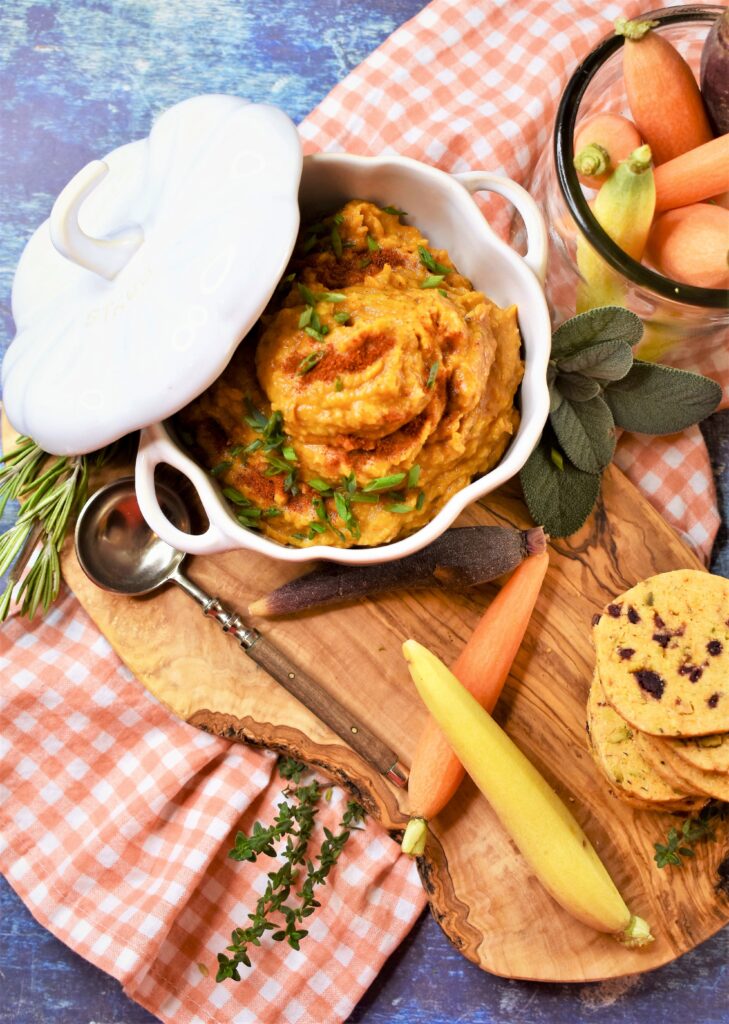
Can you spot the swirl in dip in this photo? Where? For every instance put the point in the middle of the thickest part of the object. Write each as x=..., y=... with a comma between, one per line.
x=377, y=384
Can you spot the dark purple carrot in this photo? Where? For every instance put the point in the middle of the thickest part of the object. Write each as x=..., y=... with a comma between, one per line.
x=460, y=558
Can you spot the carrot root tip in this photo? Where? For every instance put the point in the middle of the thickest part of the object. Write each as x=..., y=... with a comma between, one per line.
x=413, y=841
x=536, y=540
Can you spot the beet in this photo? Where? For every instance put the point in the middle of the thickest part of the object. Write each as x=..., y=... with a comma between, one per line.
x=715, y=74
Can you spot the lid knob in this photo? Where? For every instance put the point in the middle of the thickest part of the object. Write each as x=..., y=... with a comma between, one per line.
x=102, y=256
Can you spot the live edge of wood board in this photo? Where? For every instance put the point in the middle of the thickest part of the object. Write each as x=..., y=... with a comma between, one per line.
x=481, y=892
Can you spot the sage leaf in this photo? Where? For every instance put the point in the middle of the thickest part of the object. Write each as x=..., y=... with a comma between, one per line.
x=576, y=388
x=606, y=323
x=585, y=430
x=608, y=360
x=555, y=397
x=560, y=499
x=655, y=399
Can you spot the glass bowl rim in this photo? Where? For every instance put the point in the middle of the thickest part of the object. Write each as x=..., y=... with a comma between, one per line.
x=564, y=127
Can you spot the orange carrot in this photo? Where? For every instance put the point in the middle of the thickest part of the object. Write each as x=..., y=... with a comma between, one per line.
x=691, y=244
x=601, y=142
x=663, y=95
x=482, y=667
x=699, y=174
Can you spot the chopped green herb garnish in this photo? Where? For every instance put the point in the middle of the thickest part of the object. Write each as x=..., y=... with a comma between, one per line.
x=336, y=242
x=269, y=513
x=432, y=281
x=332, y=297
x=320, y=509
x=288, y=453
x=349, y=483
x=338, y=384
x=372, y=244
x=399, y=508
x=443, y=292
x=316, y=528
x=310, y=361
x=317, y=335
x=413, y=476
x=384, y=483
x=420, y=500
x=305, y=318
x=393, y=210
x=307, y=294
x=343, y=317
x=364, y=499
x=365, y=262
x=235, y=496
x=338, y=218
x=431, y=263
x=320, y=485
x=255, y=417
x=432, y=374
x=221, y=467
x=309, y=243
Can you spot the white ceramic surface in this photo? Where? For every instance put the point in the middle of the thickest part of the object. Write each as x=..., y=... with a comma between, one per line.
x=441, y=207
x=130, y=300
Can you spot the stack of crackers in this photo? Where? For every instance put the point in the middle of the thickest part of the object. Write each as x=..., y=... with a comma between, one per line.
x=658, y=709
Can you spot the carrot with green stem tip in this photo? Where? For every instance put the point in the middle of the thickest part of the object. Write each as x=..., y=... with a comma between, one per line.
x=483, y=668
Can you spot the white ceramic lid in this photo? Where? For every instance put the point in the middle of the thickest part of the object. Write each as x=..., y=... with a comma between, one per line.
x=132, y=297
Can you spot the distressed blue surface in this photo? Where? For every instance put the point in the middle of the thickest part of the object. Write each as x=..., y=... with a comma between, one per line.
x=77, y=79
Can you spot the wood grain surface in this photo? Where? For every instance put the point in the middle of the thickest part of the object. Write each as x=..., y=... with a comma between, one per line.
x=481, y=891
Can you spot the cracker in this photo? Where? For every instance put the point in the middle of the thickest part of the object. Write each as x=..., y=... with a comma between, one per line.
x=663, y=654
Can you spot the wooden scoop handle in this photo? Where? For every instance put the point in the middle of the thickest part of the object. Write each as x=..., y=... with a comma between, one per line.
x=329, y=710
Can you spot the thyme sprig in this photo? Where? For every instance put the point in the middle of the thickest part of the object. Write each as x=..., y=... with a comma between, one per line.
x=696, y=829
x=275, y=911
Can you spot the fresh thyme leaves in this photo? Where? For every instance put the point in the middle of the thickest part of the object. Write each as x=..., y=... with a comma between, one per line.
x=51, y=493
x=276, y=911
x=431, y=263
x=432, y=374
x=596, y=385
x=694, y=830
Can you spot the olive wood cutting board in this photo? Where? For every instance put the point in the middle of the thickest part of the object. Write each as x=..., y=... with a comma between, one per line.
x=480, y=890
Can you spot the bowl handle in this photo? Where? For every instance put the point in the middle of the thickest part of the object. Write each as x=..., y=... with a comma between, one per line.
x=155, y=449
x=536, y=254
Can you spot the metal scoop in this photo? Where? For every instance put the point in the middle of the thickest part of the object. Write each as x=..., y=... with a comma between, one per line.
x=120, y=553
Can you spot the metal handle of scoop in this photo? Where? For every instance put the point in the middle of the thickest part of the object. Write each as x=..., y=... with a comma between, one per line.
x=299, y=684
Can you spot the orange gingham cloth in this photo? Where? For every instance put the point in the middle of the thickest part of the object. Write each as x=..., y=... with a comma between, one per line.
x=115, y=818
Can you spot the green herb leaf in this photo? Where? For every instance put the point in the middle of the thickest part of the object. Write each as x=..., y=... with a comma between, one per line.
x=343, y=317
x=364, y=499
x=372, y=243
x=575, y=388
x=432, y=281
x=608, y=360
x=384, y=483
x=607, y=323
x=586, y=433
x=310, y=361
x=431, y=263
x=432, y=374
x=654, y=399
x=307, y=294
x=305, y=318
x=332, y=297
x=336, y=242
x=399, y=508
x=420, y=500
x=221, y=468
x=320, y=485
x=288, y=453
x=558, y=499
x=394, y=211
x=235, y=496
x=338, y=384
x=413, y=476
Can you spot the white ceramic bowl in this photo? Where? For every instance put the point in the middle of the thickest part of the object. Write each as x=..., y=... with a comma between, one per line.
x=440, y=205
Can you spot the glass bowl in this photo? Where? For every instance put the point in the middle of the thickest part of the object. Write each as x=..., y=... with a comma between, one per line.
x=678, y=317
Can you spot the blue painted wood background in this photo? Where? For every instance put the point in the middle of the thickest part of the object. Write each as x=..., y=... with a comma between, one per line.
x=78, y=77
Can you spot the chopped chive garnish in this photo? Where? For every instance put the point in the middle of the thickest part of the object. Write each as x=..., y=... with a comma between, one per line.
x=431, y=263
x=343, y=510
x=255, y=417
x=220, y=468
x=269, y=513
x=384, y=483
x=393, y=210
x=315, y=528
x=320, y=509
x=401, y=509
x=311, y=360
x=309, y=243
x=306, y=294
x=349, y=483
x=235, y=496
x=253, y=446
x=432, y=281
x=420, y=500
x=443, y=292
x=288, y=453
x=336, y=242
x=413, y=476
x=372, y=244
x=332, y=297
x=343, y=317
x=433, y=373
x=317, y=336
x=319, y=485
x=338, y=218
x=364, y=499
x=238, y=449
x=305, y=318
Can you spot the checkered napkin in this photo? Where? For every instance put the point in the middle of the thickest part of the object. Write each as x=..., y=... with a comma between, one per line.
x=115, y=818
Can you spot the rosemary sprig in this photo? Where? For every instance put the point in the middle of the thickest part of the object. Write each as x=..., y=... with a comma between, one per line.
x=51, y=489
x=294, y=822
x=696, y=829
